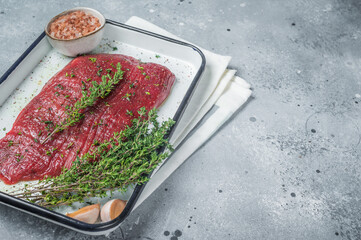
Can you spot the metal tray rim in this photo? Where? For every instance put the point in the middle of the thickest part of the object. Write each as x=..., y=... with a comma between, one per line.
x=97, y=229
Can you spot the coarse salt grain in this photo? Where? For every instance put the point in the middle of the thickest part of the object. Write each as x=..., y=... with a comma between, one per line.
x=73, y=25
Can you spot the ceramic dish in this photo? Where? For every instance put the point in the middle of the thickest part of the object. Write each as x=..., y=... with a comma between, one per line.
x=40, y=61
x=80, y=45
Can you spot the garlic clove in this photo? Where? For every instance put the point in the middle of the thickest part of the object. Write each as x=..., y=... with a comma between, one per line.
x=112, y=209
x=88, y=214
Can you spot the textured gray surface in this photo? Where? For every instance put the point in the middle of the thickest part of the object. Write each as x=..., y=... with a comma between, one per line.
x=287, y=165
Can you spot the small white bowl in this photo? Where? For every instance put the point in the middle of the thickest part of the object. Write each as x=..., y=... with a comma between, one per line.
x=80, y=45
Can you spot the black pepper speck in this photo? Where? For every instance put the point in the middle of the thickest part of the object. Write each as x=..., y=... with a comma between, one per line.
x=177, y=233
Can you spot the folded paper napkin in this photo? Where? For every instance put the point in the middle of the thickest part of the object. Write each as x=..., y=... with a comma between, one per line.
x=218, y=89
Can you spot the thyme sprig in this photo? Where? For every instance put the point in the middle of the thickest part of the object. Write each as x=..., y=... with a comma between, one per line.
x=127, y=158
x=99, y=90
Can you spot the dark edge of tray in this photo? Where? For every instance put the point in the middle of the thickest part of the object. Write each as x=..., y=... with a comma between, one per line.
x=21, y=58
x=68, y=222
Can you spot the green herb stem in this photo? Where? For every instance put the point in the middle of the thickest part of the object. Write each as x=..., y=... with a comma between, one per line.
x=89, y=98
x=125, y=159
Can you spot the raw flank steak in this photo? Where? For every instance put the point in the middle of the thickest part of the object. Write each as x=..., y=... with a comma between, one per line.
x=23, y=157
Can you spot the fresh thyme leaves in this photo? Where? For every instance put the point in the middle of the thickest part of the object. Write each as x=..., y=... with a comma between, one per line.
x=130, y=113
x=69, y=145
x=127, y=158
x=19, y=157
x=59, y=86
x=93, y=59
x=99, y=90
x=83, y=85
x=127, y=96
x=143, y=73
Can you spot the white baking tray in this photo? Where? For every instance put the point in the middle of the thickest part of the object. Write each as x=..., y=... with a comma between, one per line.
x=40, y=62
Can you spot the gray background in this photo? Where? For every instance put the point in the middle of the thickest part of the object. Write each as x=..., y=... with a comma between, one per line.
x=287, y=165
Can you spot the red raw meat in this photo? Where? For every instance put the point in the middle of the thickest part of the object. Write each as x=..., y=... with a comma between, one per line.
x=23, y=157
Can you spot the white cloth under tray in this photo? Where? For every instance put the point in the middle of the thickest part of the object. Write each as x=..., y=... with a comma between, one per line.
x=218, y=88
